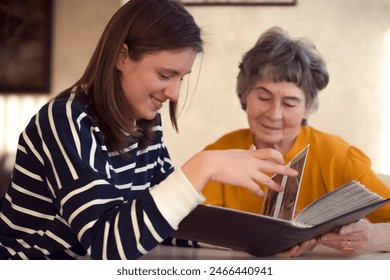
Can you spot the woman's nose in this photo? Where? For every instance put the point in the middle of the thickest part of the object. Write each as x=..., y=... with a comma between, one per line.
x=172, y=90
x=275, y=111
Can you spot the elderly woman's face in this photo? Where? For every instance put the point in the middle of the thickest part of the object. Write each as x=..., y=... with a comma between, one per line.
x=275, y=112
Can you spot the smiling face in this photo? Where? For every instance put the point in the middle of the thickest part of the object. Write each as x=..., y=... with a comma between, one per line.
x=154, y=79
x=275, y=112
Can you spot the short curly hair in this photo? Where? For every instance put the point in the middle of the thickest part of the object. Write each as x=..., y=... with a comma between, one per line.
x=277, y=57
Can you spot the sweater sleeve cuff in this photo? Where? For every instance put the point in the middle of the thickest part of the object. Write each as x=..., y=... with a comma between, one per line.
x=175, y=197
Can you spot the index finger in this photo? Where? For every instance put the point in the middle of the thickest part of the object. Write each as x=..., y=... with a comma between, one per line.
x=269, y=155
x=276, y=168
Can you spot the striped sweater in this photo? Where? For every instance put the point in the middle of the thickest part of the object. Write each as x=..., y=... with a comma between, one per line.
x=70, y=198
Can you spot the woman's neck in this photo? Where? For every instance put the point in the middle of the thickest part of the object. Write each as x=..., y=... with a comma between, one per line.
x=283, y=147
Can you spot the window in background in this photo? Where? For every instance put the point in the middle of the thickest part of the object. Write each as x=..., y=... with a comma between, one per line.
x=15, y=112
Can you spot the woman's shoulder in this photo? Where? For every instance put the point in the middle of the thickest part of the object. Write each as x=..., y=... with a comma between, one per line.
x=237, y=139
x=74, y=98
x=69, y=97
x=323, y=138
x=68, y=109
x=332, y=145
x=68, y=104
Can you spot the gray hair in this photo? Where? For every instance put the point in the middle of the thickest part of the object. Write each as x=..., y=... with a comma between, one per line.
x=277, y=57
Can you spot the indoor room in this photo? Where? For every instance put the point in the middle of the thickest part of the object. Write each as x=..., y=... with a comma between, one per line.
x=352, y=36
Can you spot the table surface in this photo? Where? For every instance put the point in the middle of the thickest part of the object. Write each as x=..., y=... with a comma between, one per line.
x=320, y=252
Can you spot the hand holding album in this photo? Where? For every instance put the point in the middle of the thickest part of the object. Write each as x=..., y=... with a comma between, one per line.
x=276, y=229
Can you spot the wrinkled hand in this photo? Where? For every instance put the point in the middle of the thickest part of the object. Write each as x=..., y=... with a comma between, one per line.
x=359, y=236
x=298, y=249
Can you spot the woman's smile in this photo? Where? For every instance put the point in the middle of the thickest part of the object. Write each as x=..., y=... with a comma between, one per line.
x=272, y=128
x=158, y=103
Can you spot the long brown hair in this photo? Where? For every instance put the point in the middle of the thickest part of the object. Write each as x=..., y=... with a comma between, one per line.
x=145, y=26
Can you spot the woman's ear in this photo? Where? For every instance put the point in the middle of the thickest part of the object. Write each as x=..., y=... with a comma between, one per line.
x=122, y=57
x=306, y=116
x=307, y=113
x=242, y=98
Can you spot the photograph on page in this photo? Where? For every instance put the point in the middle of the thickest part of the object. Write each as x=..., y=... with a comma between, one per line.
x=282, y=204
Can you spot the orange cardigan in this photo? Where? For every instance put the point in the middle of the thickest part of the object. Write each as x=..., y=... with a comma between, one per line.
x=331, y=162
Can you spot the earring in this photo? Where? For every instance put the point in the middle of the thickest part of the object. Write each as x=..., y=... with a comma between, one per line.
x=304, y=122
x=243, y=106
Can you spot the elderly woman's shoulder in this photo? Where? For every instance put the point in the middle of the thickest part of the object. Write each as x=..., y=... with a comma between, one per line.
x=325, y=139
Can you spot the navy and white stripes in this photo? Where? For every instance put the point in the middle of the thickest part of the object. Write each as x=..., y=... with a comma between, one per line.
x=69, y=198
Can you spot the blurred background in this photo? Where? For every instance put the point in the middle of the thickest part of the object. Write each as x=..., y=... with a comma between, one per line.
x=352, y=35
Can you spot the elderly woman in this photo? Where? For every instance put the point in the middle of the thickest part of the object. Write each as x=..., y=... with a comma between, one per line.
x=277, y=85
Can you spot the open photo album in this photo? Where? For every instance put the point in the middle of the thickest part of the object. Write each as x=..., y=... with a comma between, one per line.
x=276, y=228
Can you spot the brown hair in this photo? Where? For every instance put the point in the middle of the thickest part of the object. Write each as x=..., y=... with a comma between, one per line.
x=278, y=58
x=145, y=26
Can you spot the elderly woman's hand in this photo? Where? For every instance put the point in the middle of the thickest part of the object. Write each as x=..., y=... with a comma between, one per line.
x=359, y=236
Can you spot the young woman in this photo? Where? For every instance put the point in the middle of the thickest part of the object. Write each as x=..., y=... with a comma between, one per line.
x=92, y=177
